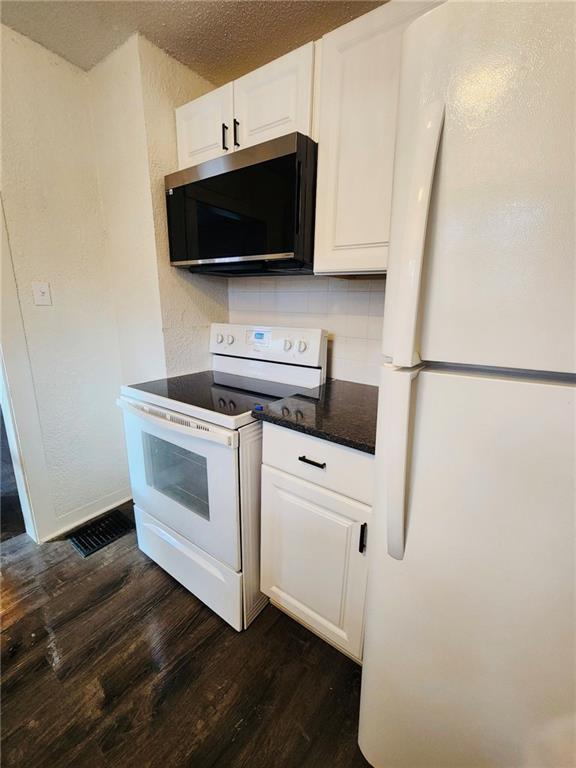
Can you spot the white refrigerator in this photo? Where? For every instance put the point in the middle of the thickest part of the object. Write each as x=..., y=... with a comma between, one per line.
x=470, y=646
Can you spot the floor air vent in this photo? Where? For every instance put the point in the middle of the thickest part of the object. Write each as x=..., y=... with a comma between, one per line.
x=97, y=534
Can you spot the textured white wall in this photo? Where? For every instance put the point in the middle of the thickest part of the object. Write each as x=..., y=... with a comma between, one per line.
x=54, y=224
x=120, y=142
x=84, y=160
x=189, y=303
x=163, y=314
x=350, y=310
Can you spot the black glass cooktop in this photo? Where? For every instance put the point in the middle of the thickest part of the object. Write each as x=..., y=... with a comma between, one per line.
x=222, y=392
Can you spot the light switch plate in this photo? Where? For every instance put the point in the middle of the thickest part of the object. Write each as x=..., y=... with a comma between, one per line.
x=41, y=293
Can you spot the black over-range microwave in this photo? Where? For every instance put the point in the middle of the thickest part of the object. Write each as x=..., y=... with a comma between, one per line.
x=247, y=213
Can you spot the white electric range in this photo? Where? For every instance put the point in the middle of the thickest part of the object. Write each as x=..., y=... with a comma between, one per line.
x=195, y=450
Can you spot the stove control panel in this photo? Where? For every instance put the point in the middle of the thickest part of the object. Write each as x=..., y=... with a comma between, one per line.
x=301, y=346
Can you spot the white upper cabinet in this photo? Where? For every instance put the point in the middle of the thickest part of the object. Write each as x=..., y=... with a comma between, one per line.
x=357, y=127
x=275, y=99
x=205, y=127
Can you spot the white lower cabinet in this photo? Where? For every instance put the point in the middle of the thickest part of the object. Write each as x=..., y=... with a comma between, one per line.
x=313, y=563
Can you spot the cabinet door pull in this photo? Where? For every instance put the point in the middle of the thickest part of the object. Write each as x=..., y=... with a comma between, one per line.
x=236, y=125
x=224, y=129
x=313, y=463
x=362, y=540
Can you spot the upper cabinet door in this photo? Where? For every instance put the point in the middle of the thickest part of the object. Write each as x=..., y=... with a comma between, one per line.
x=357, y=127
x=205, y=127
x=275, y=99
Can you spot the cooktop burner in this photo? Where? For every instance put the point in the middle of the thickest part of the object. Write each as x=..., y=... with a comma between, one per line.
x=222, y=392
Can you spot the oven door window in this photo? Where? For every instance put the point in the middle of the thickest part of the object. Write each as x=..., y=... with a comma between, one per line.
x=180, y=474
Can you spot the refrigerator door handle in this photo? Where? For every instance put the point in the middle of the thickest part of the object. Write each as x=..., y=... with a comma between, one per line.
x=413, y=234
x=396, y=391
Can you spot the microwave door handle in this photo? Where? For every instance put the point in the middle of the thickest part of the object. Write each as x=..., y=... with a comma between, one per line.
x=407, y=254
x=298, y=195
x=198, y=429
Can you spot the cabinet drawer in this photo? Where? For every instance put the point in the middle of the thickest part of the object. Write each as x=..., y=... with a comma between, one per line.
x=341, y=469
x=313, y=564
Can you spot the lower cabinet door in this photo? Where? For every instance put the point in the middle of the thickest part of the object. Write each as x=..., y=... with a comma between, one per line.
x=312, y=565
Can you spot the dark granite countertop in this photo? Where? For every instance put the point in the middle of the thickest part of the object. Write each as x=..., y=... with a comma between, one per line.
x=341, y=411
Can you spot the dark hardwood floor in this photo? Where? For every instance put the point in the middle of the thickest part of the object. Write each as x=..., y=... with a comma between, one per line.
x=109, y=662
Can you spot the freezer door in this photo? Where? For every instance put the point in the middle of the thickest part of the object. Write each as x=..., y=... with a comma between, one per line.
x=485, y=274
x=469, y=650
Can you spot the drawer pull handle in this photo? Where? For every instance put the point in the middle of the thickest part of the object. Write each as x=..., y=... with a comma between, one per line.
x=313, y=463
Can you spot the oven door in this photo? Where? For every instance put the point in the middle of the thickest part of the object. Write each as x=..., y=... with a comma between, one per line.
x=184, y=473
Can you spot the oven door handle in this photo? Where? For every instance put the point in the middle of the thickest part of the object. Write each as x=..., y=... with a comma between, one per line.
x=176, y=422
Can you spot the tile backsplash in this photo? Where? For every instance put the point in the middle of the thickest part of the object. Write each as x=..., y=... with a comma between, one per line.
x=350, y=310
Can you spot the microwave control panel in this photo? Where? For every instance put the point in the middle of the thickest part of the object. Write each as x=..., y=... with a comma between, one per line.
x=301, y=346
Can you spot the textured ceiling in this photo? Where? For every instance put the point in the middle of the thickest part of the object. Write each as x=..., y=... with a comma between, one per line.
x=219, y=39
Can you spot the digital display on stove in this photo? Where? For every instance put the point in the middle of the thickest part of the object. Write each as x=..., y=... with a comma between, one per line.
x=260, y=338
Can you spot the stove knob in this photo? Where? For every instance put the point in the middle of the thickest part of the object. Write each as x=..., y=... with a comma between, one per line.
x=232, y=405
x=285, y=411
x=302, y=346
x=219, y=338
x=230, y=339
x=287, y=345
x=221, y=402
